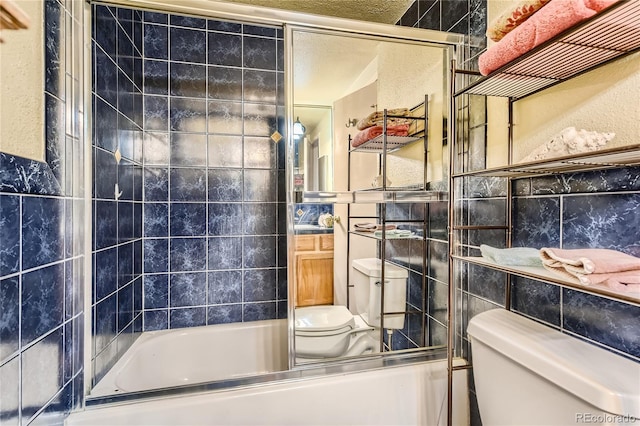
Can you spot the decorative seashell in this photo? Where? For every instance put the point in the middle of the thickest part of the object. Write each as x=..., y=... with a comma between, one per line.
x=570, y=141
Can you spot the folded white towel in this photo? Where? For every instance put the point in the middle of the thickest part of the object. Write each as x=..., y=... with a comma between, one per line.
x=515, y=256
x=395, y=233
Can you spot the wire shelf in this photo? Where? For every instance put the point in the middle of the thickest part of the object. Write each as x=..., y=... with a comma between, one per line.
x=541, y=274
x=394, y=143
x=609, y=35
x=624, y=156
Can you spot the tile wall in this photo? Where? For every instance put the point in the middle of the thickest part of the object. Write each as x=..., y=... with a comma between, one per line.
x=197, y=234
x=214, y=183
x=579, y=210
x=41, y=252
x=309, y=213
x=116, y=302
x=465, y=17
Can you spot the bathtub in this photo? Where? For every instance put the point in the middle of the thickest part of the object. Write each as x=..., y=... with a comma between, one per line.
x=413, y=394
x=168, y=358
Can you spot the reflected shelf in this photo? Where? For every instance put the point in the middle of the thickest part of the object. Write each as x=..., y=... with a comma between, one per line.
x=541, y=274
x=390, y=236
x=596, y=160
x=374, y=197
x=394, y=143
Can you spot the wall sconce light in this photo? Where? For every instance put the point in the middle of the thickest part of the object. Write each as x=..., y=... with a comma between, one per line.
x=298, y=129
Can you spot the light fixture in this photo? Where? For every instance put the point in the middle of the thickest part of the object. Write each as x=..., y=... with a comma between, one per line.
x=298, y=129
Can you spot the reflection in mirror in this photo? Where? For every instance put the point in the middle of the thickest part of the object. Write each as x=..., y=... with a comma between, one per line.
x=313, y=165
x=338, y=270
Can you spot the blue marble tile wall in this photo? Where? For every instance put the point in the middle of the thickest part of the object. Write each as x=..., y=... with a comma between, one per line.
x=466, y=17
x=579, y=210
x=117, y=83
x=214, y=183
x=309, y=213
x=41, y=252
x=428, y=274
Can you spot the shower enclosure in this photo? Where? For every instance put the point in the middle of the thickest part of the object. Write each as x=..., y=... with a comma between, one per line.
x=192, y=182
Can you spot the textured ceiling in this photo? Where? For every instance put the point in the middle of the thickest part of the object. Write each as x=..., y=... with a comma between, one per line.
x=384, y=11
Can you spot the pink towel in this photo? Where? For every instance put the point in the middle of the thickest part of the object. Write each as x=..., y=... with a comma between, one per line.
x=611, y=268
x=371, y=132
x=555, y=17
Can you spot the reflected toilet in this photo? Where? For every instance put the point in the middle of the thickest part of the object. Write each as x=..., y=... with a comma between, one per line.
x=333, y=331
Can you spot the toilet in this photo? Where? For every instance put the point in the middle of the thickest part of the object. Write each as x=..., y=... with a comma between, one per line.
x=526, y=373
x=330, y=331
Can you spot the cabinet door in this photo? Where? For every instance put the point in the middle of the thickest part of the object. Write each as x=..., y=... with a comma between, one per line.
x=314, y=279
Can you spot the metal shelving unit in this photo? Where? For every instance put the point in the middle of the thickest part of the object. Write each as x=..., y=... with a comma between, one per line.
x=610, y=35
x=381, y=146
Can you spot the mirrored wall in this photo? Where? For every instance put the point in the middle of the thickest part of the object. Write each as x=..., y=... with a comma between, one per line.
x=337, y=296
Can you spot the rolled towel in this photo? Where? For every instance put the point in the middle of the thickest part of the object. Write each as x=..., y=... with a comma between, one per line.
x=594, y=266
x=512, y=17
x=515, y=256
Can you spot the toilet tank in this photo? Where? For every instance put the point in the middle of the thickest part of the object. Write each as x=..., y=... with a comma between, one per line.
x=366, y=279
x=529, y=374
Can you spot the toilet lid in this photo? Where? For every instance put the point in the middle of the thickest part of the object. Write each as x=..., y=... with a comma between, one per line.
x=323, y=318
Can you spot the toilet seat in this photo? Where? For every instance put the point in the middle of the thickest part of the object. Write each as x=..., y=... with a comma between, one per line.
x=323, y=320
x=323, y=331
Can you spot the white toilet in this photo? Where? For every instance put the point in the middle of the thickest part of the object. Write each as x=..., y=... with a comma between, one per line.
x=333, y=331
x=529, y=374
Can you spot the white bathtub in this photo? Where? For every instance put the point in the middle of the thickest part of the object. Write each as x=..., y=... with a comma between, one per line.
x=184, y=356
x=405, y=395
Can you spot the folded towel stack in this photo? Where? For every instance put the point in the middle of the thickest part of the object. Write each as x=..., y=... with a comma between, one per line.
x=611, y=268
x=371, y=227
x=377, y=118
x=372, y=132
x=516, y=256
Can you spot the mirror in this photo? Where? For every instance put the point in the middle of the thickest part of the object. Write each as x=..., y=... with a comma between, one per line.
x=313, y=160
x=339, y=80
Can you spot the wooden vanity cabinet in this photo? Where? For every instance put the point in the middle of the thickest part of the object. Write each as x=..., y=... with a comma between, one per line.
x=314, y=269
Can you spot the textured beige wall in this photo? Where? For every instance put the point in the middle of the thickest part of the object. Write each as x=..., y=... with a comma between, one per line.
x=405, y=74
x=363, y=170
x=604, y=100
x=21, y=86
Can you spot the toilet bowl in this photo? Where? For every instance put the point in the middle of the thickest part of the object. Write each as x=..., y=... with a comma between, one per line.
x=330, y=332
x=526, y=373
x=333, y=331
